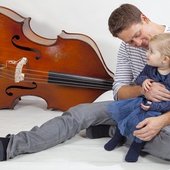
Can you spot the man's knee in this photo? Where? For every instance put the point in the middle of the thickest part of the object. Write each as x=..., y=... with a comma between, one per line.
x=159, y=146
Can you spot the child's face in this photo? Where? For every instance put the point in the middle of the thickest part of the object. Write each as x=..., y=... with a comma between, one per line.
x=154, y=57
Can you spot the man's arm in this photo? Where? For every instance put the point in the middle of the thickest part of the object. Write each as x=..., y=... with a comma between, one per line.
x=125, y=74
x=129, y=91
x=157, y=93
x=150, y=127
x=165, y=119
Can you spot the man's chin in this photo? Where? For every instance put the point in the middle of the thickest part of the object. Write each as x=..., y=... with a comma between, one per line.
x=145, y=46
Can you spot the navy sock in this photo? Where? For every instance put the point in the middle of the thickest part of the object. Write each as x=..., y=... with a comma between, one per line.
x=116, y=140
x=134, y=151
x=99, y=131
x=3, y=147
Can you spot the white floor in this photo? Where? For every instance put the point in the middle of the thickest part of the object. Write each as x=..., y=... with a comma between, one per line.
x=78, y=153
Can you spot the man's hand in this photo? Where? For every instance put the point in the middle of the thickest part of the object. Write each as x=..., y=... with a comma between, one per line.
x=149, y=128
x=157, y=93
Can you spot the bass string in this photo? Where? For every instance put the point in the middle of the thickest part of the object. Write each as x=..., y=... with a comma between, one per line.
x=42, y=77
x=9, y=73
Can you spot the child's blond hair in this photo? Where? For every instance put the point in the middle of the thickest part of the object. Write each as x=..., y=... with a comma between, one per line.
x=162, y=43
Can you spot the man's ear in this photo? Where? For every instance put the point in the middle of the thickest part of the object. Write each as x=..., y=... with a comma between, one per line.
x=144, y=19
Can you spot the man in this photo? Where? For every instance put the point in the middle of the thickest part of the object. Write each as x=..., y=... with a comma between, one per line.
x=130, y=25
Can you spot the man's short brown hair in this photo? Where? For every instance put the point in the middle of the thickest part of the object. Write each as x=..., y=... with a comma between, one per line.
x=123, y=17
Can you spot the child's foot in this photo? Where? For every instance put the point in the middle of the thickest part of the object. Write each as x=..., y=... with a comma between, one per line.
x=3, y=147
x=134, y=152
x=116, y=140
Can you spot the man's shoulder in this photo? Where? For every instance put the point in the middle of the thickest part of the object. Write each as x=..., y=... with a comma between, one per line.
x=131, y=48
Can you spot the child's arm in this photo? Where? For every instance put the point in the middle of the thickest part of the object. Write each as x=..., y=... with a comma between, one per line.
x=142, y=76
x=163, y=106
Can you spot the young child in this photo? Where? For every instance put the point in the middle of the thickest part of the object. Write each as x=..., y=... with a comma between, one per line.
x=129, y=112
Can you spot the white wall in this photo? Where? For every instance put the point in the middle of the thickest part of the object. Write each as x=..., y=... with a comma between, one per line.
x=89, y=17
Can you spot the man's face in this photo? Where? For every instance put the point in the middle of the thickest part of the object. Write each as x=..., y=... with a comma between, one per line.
x=137, y=35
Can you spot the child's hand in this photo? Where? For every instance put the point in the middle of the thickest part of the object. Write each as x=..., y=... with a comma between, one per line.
x=145, y=107
x=146, y=85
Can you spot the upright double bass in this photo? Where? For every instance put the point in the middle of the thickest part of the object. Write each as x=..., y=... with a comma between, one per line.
x=64, y=71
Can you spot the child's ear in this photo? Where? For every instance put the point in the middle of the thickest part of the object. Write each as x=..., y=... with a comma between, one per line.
x=166, y=59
